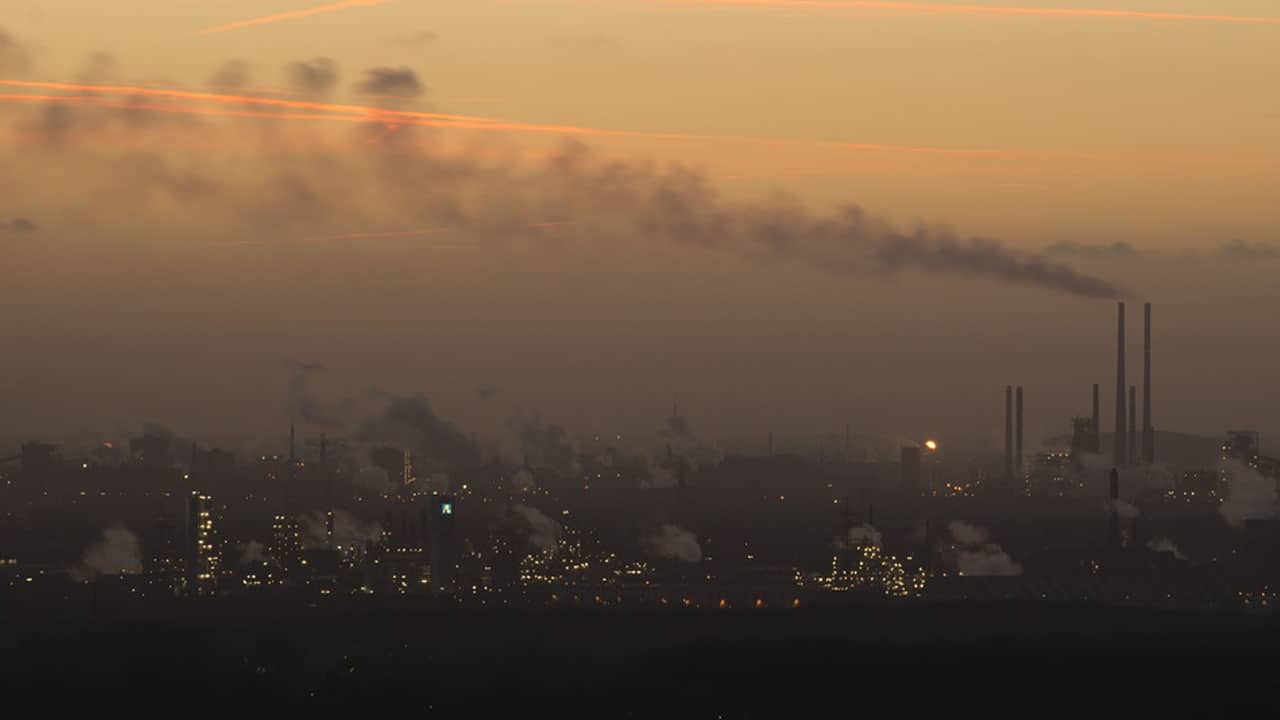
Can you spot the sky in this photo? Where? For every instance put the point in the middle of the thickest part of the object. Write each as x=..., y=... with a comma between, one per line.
x=601, y=208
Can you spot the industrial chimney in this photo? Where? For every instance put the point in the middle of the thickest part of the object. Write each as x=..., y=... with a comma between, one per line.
x=1115, y=510
x=1096, y=440
x=1017, y=435
x=1121, y=454
x=1133, y=424
x=1148, y=430
x=1008, y=431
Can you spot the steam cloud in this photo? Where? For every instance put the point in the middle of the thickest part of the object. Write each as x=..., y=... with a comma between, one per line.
x=348, y=530
x=976, y=556
x=411, y=422
x=676, y=543
x=317, y=76
x=1121, y=509
x=1163, y=545
x=1250, y=496
x=544, y=532
x=545, y=444
x=252, y=552
x=119, y=552
x=398, y=82
x=865, y=534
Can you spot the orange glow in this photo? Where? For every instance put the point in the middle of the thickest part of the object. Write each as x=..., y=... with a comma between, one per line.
x=934, y=8
x=931, y=444
x=294, y=15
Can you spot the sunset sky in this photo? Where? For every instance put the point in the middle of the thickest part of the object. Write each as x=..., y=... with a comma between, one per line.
x=600, y=208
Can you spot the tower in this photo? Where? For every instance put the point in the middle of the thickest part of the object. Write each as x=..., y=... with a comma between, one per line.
x=1148, y=430
x=1008, y=432
x=1121, y=451
x=1017, y=434
x=1096, y=443
x=1133, y=424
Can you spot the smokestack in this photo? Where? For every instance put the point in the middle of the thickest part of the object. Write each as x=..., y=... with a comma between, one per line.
x=1121, y=455
x=1148, y=430
x=1008, y=431
x=1096, y=440
x=1017, y=436
x=1115, y=514
x=1133, y=424
x=292, y=456
x=871, y=514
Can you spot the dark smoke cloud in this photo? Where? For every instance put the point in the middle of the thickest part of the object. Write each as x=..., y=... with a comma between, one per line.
x=231, y=75
x=410, y=422
x=593, y=203
x=1075, y=249
x=396, y=82
x=14, y=57
x=317, y=76
x=1249, y=251
x=18, y=225
x=544, y=444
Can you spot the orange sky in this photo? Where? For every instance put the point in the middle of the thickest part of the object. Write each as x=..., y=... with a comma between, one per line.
x=1091, y=123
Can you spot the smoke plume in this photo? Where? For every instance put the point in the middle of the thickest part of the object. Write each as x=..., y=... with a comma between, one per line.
x=1165, y=545
x=544, y=532
x=1121, y=509
x=17, y=226
x=1250, y=496
x=317, y=76
x=232, y=75
x=400, y=82
x=119, y=552
x=410, y=422
x=973, y=554
x=865, y=534
x=685, y=444
x=1248, y=251
x=675, y=543
x=303, y=405
x=1071, y=248
x=543, y=443
x=348, y=530
x=252, y=552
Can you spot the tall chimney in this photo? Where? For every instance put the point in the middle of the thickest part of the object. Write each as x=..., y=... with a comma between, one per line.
x=1148, y=430
x=1133, y=424
x=1008, y=431
x=1096, y=440
x=1017, y=434
x=292, y=456
x=1121, y=455
x=1115, y=514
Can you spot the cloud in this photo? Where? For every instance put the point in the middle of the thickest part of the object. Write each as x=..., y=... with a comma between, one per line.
x=675, y=543
x=231, y=75
x=303, y=405
x=1071, y=248
x=317, y=76
x=400, y=82
x=1250, y=496
x=252, y=552
x=410, y=422
x=974, y=555
x=544, y=444
x=15, y=59
x=119, y=552
x=544, y=532
x=1121, y=509
x=348, y=530
x=1165, y=545
x=1250, y=251
x=417, y=39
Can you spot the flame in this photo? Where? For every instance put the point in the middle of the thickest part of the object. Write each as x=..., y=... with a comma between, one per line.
x=294, y=15
x=947, y=9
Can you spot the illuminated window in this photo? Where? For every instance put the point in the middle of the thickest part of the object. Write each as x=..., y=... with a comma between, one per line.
x=446, y=508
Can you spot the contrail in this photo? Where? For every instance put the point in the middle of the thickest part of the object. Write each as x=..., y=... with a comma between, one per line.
x=948, y=9
x=295, y=15
x=344, y=112
x=284, y=109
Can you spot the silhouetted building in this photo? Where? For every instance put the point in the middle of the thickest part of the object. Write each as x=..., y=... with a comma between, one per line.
x=444, y=550
x=151, y=451
x=204, y=548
